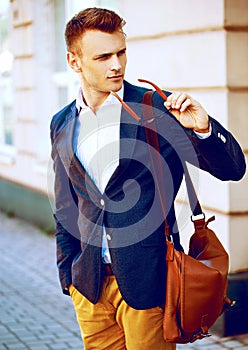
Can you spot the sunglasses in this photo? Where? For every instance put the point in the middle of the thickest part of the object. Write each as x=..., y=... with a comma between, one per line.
x=128, y=109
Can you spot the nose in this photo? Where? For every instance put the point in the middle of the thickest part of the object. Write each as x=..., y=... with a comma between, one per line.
x=115, y=63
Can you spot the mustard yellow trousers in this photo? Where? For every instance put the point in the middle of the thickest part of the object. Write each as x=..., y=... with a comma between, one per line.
x=113, y=325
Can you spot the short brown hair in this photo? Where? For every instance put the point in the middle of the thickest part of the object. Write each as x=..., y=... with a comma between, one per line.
x=91, y=18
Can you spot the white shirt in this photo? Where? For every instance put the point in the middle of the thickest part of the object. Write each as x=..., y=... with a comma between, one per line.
x=98, y=144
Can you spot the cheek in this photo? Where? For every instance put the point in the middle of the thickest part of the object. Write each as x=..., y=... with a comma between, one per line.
x=94, y=72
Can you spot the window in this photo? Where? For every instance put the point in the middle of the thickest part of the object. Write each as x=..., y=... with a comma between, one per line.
x=6, y=96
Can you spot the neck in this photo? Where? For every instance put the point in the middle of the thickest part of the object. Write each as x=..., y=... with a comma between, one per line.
x=94, y=99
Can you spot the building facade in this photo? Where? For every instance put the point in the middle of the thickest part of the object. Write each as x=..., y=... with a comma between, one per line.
x=198, y=46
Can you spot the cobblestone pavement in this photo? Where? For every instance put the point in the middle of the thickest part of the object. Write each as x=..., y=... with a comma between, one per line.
x=34, y=314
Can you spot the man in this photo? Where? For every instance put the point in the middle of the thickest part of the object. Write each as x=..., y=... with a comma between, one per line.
x=110, y=225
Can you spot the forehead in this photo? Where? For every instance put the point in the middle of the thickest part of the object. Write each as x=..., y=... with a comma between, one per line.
x=96, y=42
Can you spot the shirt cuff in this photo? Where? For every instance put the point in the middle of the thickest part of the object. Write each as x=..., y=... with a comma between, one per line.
x=204, y=135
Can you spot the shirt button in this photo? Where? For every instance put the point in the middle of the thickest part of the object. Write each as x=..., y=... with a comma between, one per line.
x=108, y=237
x=102, y=202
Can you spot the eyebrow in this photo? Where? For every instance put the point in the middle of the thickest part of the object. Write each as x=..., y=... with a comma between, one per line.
x=105, y=54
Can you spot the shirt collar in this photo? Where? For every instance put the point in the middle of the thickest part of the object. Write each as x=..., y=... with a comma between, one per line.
x=111, y=99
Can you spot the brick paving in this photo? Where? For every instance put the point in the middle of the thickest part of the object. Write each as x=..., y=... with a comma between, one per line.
x=34, y=314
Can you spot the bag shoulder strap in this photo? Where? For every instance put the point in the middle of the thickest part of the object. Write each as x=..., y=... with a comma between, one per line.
x=153, y=142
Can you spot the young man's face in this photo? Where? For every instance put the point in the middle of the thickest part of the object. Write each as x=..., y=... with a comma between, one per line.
x=102, y=61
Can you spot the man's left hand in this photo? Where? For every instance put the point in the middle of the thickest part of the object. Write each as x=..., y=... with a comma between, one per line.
x=188, y=112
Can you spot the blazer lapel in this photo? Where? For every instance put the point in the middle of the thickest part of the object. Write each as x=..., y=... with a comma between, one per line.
x=129, y=126
x=128, y=129
x=74, y=168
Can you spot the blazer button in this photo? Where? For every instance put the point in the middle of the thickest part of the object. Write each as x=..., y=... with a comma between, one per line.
x=102, y=202
x=108, y=237
x=222, y=137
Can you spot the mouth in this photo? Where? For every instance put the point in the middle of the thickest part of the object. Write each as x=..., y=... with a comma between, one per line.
x=116, y=77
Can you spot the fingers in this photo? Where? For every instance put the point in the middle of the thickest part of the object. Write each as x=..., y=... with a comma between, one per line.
x=179, y=101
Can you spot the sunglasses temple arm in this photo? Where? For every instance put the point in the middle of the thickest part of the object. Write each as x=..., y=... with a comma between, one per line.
x=126, y=107
x=159, y=91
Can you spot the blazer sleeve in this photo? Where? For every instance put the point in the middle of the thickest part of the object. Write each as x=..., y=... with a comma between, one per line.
x=219, y=154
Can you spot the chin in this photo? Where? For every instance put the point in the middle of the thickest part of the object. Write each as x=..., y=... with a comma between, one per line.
x=117, y=86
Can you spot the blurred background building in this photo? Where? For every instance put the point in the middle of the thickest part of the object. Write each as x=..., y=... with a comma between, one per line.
x=198, y=46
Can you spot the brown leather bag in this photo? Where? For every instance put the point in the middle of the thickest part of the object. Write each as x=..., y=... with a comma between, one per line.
x=196, y=283
x=196, y=286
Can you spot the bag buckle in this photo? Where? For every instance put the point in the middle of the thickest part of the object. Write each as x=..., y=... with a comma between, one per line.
x=200, y=334
x=200, y=216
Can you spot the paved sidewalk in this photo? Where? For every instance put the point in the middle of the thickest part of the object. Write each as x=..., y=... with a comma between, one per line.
x=34, y=314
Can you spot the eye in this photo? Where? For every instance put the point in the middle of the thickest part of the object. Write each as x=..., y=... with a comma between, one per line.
x=103, y=57
x=122, y=52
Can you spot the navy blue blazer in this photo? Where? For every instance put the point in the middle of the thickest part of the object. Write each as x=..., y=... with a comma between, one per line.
x=129, y=208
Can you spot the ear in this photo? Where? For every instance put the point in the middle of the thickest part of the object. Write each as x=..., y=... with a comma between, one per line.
x=74, y=62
